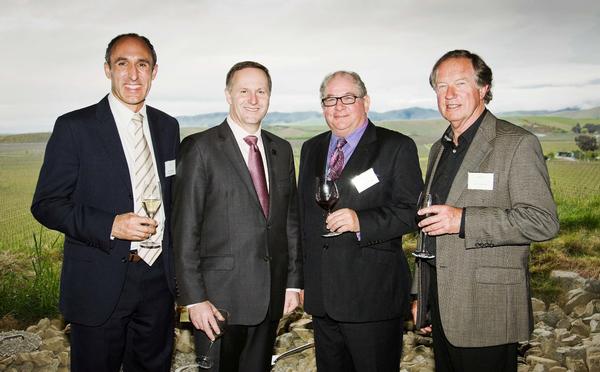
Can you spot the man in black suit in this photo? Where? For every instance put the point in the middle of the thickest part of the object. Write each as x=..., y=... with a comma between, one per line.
x=235, y=226
x=99, y=163
x=357, y=283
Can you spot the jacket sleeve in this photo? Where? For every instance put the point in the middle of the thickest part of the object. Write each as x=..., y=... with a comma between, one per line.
x=397, y=216
x=295, y=274
x=187, y=216
x=532, y=216
x=53, y=203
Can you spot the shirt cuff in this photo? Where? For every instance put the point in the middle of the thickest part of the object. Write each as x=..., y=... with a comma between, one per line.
x=297, y=290
x=461, y=232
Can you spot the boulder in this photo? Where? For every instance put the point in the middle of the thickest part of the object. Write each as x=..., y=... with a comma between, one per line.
x=537, y=305
x=567, y=280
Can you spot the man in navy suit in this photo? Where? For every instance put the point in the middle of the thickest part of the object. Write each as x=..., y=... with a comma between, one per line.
x=100, y=162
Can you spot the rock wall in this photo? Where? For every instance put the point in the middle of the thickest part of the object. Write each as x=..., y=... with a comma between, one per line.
x=565, y=338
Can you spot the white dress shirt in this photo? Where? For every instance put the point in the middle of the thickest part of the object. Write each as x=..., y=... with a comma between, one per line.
x=122, y=115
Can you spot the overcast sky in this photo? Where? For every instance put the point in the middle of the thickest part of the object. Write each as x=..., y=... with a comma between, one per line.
x=544, y=54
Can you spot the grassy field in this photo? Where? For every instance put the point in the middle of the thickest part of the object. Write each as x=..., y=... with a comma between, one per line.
x=576, y=186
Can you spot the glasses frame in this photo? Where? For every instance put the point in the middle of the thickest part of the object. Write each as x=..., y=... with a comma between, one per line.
x=341, y=99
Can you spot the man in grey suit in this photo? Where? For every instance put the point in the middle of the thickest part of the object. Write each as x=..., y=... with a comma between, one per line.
x=493, y=200
x=235, y=227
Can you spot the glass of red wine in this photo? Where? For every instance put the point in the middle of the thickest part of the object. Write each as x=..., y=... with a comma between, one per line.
x=425, y=200
x=326, y=195
x=206, y=361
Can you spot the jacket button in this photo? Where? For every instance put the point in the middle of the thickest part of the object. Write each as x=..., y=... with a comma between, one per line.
x=267, y=258
x=124, y=259
x=325, y=246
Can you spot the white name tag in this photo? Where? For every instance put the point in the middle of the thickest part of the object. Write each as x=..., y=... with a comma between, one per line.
x=169, y=168
x=365, y=180
x=480, y=181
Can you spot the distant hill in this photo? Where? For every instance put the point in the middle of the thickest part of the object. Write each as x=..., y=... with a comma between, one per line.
x=25, y=138
x=209, y=120
x=568, y=112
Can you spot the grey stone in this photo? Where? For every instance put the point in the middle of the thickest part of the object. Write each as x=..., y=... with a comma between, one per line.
x=15, y=342
x=564, y=323
x=592, y=307
x=576, y=365
x=553, y=315
x=571, y=340
x=578, y=297
x=537, y=305
x=592, y=285
x=567, y=279
x=580, y=328
x=548, y=363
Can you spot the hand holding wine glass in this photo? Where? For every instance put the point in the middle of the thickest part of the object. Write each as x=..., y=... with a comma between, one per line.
x=425, y=201
x=151, y=202
x=326, y=196
x=222, y=317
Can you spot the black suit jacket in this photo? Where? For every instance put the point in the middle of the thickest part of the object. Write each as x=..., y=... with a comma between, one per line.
x=226, y=250
x=84, y=183
x=366, y=280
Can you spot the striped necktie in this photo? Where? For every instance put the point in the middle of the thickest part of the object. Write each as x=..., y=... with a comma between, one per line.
x=336, y=163
x=145, y=180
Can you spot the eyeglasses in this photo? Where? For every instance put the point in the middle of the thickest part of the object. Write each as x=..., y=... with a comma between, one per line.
x=332, y=101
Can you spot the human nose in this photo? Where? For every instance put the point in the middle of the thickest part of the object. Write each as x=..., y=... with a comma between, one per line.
x=253, y=99
x=132, y=72
x=450, y=92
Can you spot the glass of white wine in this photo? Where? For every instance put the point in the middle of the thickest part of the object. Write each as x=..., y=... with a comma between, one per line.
x=151, y=203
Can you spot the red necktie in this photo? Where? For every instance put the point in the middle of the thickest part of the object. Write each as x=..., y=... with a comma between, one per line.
x=336, y=163
x=257, y=173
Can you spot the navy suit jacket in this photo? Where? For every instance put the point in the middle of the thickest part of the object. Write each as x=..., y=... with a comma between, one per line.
x=362, y=280
x=84, y=183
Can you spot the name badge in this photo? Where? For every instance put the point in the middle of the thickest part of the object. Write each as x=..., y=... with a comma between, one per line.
x=480, y=181
x=169, y=168
x=365, y=180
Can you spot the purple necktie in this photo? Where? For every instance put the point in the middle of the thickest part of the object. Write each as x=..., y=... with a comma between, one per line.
x=257, y=172
x=336, y=163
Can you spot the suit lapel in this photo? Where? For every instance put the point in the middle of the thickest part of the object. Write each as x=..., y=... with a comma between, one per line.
x=271, y=157
x=108, y=134
x=156, y=137
x=235, y=157
x=320, y=157
x=478, y=150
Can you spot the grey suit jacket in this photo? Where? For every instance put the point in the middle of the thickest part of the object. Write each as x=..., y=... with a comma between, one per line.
x=483, y=279
x=226, y=251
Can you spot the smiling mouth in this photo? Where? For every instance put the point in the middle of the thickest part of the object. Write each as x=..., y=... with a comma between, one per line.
x=452, y=106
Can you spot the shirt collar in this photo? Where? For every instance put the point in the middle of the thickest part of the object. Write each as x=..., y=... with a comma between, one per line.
x=122, y=113
x=354, y=137
x=466, y=137
x=239, y=133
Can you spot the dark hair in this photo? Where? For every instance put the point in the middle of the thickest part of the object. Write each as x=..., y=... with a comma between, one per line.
x=114, y=42
x=246, y=64
x=360, y=85
x=483, y=72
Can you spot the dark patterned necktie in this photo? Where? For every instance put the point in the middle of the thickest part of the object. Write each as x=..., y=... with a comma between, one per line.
x=336, y=163
x=257, y=173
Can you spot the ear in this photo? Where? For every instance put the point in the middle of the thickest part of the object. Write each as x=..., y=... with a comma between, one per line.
x=154, y=71
x=107, y=70
x=483, y=91
x=228, y=96
x=367, y=103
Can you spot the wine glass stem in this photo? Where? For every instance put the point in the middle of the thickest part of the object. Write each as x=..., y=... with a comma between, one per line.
x=209, y=347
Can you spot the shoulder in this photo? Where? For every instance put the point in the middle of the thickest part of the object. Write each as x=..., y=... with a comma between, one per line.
x=319, y=138
x=161, y=115
x=82, y=114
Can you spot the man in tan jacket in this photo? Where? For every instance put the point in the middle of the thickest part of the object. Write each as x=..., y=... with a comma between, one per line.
x=492, y=199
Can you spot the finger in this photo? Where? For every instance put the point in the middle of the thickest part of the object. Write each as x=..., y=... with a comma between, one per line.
x=208, y=329
x=213, y=324
x=218, y=314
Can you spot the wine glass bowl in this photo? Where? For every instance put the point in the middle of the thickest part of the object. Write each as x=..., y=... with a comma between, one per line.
x=326, y=196
x=206, y=361
x=425, y=200
x=151, y=203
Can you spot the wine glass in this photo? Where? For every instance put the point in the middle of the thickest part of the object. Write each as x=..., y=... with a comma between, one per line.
x=327, y=195
x=425, y=200
x=205, y=361
x=151, y=203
